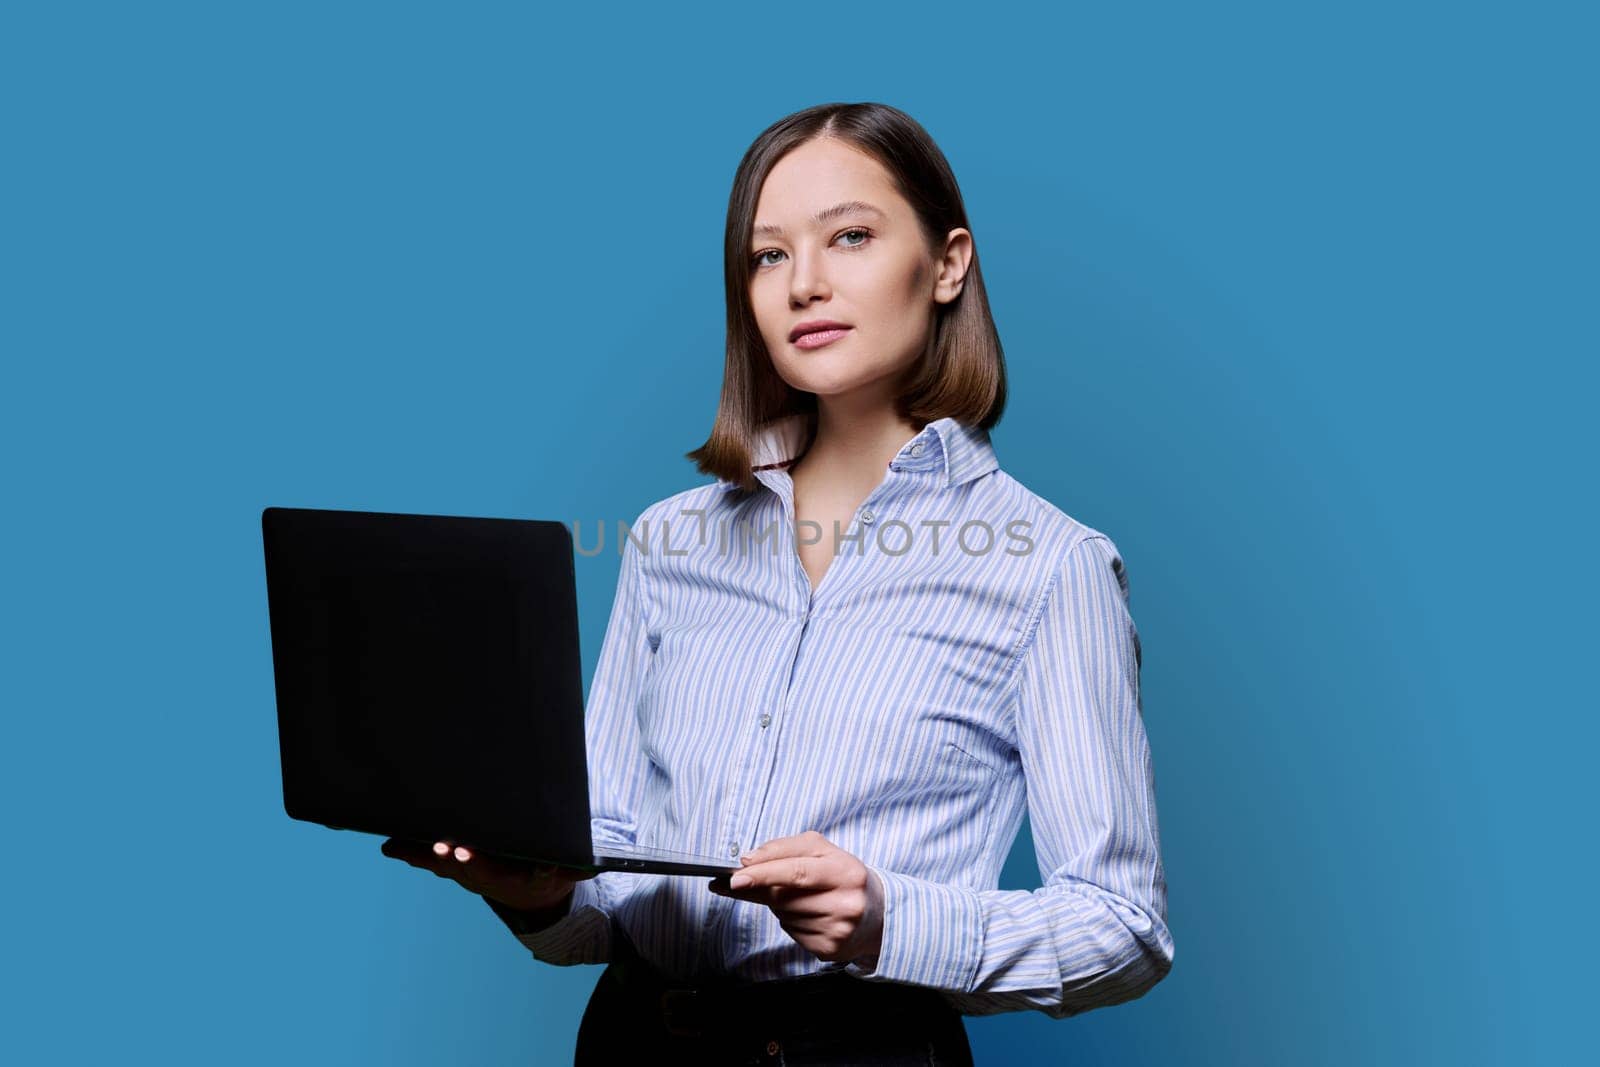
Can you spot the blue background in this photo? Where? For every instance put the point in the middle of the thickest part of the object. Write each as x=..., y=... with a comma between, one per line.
x=1298, y=306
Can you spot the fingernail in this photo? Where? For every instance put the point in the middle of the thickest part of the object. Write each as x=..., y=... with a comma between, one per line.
x=739, y=881
x=746, y=857
x=440, y=848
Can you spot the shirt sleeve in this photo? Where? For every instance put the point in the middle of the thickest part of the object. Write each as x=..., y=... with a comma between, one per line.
x=617, y=773
x=1095, y=933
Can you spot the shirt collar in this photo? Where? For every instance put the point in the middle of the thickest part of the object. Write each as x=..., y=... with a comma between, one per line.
x=955, y=452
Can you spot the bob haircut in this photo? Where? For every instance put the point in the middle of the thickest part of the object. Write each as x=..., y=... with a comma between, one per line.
x=961, y=373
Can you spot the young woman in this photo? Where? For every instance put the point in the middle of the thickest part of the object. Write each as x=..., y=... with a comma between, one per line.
x=852, y=663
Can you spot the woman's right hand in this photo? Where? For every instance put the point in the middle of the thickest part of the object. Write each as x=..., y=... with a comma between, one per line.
x=517, y=884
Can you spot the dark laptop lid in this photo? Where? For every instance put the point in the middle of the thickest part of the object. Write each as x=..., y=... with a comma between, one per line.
x=428, y=679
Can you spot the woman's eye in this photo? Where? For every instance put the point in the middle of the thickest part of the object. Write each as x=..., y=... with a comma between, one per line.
x=760, y=258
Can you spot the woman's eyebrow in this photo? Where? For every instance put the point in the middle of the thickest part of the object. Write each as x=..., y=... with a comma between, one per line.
x=827, y=214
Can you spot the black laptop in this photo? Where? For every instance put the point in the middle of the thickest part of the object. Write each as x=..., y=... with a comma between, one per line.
x=429, y=685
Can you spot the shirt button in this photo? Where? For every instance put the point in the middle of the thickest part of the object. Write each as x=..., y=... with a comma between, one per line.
x=733, y=848
x=766, y=721
x=866, y=517
x=916, y=449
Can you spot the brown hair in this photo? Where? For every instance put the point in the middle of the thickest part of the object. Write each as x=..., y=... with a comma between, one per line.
x=962, y=373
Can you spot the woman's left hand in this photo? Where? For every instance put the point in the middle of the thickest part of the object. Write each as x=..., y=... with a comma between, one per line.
x=823, y=897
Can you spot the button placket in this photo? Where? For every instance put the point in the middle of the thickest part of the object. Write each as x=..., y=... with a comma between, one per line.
x=761, y=767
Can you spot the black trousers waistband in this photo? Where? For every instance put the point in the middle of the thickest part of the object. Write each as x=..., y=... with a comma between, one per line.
x=833, y=1017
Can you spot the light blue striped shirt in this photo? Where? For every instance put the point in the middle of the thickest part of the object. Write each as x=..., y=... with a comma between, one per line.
x=968, y=654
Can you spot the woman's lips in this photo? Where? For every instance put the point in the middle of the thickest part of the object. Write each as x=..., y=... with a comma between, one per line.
x=819, y=338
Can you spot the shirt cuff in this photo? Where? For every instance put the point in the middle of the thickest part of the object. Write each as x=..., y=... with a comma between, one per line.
x=581, y=935
x=932, y=935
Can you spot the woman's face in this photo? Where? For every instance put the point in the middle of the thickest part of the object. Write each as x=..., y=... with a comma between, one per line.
x=866, y=266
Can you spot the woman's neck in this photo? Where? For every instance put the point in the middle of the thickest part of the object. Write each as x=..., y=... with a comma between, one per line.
x=854, y=447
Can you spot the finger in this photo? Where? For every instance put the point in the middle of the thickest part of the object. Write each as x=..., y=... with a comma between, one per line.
x=767, y=896
x=411, y=852
x=760, y=894
x=466, y=854
x=779, y=901
x=473, y=868
x=496, y=868
x=437, y=858
x=790, y=904
x=796, y=905
x=798, y=928
x=810, y=843
x=800, y=872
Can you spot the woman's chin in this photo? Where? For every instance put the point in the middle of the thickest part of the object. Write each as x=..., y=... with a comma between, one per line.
x=832, y=389
x=824, y=381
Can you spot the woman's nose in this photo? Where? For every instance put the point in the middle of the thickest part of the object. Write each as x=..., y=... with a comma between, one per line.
x=807, y=281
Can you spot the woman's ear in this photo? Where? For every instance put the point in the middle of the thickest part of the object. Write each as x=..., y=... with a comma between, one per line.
x=952, y=265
